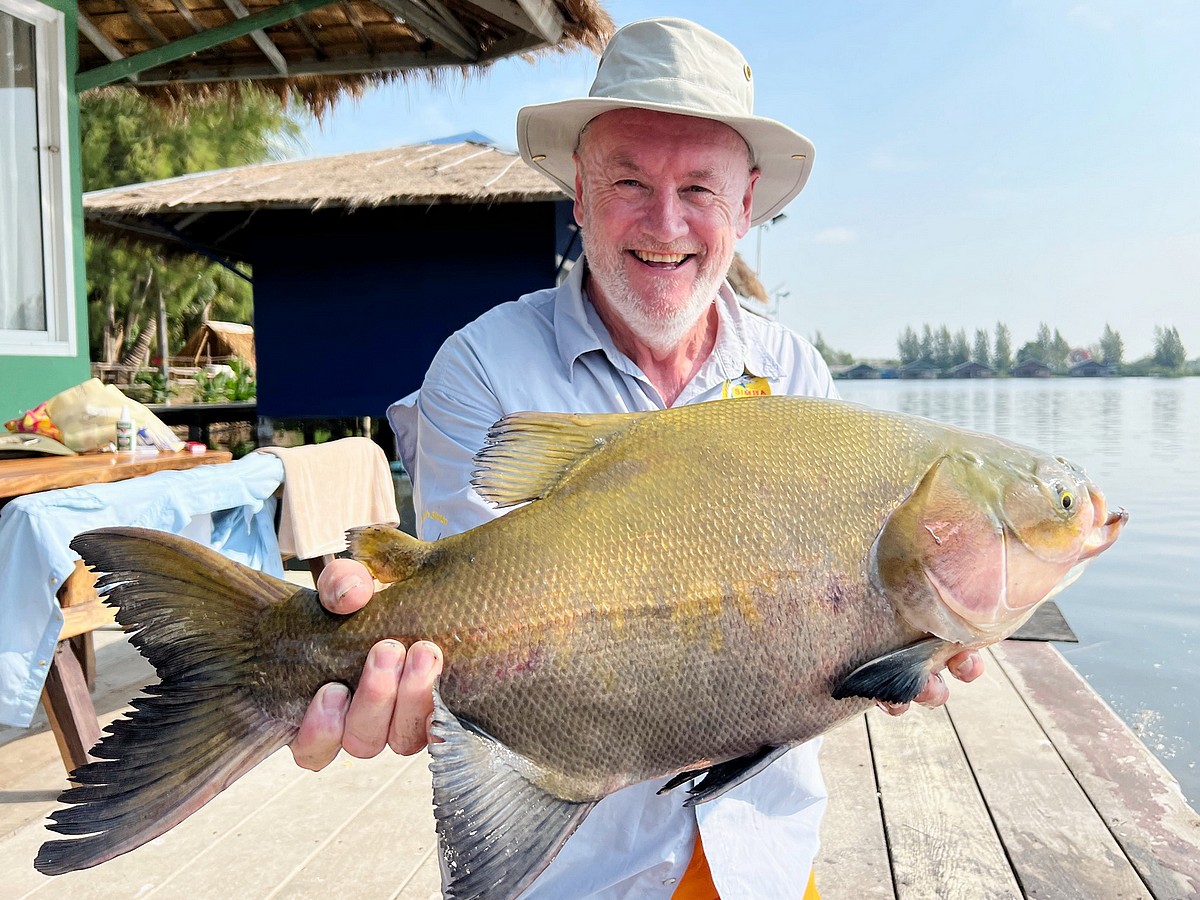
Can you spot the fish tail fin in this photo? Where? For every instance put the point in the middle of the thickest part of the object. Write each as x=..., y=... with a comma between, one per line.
x=193, y=613
x=388, y=552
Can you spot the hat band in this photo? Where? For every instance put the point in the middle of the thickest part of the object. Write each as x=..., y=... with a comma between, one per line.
x=705, y=101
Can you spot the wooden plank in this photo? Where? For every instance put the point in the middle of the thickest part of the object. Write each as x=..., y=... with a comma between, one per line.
x=28, y=476
x=1058, y=844
x=942, y=842
x=355, y=855
x=853, y=860
x=1132, y=791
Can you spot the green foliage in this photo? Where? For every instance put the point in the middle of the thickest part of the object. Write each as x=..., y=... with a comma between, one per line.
x=159, y=387
x=1002, y=349
x=220, y=386
x=980, y=353
x=909, y=346
x=1169, y=353
x=1049, y=348
x=126, y=139
x=1112, y=348
x=832, y=357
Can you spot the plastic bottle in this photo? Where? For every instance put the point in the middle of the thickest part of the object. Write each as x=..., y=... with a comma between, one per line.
x=124, y=431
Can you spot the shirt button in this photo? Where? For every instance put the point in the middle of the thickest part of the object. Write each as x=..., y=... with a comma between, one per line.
x=53, y=580
x=42, y=663
x=670, y=881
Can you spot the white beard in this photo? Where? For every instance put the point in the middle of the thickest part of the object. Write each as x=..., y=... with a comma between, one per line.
x=653, y=320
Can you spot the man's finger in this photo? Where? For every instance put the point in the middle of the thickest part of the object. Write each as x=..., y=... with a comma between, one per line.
x=345, y=586
x=414, y=699
x=935, y=692
x=965, y=666
x=320, y=735
x=371, y=707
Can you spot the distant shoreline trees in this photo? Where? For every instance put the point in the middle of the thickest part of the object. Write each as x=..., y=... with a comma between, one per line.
x=939, y=348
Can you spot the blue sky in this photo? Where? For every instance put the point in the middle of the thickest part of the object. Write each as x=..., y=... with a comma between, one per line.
x=1020, y=160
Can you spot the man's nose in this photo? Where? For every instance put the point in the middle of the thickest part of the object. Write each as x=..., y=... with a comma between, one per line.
x=665, y=217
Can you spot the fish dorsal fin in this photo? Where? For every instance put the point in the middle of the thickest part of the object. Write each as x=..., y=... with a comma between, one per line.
x=529, y=453
x=497, y=826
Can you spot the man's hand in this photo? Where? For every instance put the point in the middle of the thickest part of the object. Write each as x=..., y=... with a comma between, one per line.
x=965, y=666
x=394, y=700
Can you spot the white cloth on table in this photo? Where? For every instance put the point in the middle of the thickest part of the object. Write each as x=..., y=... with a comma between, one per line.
x=549, y=351
x=230, y=507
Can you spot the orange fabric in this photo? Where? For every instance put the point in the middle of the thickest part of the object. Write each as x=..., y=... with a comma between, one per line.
x=697, y=883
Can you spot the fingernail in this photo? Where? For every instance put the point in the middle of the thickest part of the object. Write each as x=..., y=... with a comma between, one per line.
x=387, y=655
x=424, y=656
x=344, y=587
x=335, y=698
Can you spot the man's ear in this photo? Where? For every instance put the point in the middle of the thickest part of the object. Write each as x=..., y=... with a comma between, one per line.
x=747, y=205
x=578, y=206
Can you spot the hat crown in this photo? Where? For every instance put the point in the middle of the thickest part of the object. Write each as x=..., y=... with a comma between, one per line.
x=675, y=62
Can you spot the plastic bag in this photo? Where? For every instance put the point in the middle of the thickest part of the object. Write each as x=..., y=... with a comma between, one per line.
x=87, y=416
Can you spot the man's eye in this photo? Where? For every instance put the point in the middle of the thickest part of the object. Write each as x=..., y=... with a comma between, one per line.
x=629, y=182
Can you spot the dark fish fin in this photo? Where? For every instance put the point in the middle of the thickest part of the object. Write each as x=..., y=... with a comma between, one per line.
x=498, y=828
x=199, y=730
x=724, y=777
x=682, y=778
x=388, y=552
x=529, y=453
x=895, y=677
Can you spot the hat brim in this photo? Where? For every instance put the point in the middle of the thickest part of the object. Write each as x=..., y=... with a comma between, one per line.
x=548, y=133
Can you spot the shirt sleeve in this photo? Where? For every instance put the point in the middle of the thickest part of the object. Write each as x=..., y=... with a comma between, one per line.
x=454, y=411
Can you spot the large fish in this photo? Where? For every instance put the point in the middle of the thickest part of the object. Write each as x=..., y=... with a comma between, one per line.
x=691, y=592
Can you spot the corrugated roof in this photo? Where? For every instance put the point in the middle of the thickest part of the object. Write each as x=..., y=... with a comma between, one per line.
x=418, y=174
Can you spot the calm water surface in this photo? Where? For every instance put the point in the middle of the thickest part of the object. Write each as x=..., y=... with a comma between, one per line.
x=1136, y=610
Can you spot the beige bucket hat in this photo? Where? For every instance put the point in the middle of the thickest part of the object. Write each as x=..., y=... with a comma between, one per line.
x=672, y=66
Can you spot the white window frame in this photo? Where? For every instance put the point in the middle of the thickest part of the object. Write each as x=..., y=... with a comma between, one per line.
x=58, y=246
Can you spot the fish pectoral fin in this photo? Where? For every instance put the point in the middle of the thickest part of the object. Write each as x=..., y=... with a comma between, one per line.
x=529, y=453
x=895, y=677
x=724, y=777
x=388, y=552
x=497, y=827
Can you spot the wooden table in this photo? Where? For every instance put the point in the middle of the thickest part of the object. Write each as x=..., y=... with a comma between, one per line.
x=66, y=696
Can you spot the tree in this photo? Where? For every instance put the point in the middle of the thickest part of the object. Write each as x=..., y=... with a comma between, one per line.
x=126, y=138
x=1112, y=348
x=927, y=343
x=832, y=357
x=1168, y=348
x=960, y=349
x=980, y=351
x=1002, y=349
x=909, y=346
x=943, y=344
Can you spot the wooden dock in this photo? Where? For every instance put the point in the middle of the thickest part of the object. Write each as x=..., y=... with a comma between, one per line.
x=1025, y=785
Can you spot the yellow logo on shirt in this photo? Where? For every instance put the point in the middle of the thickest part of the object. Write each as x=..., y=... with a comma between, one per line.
x=746, y=386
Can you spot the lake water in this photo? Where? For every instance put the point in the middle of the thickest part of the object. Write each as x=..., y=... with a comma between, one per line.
x=1136, y=610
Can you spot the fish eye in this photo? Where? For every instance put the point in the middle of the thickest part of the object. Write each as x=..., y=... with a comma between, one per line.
x=1066, y=499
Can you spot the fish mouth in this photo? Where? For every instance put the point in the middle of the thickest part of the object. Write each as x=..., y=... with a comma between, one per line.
x=661, y=260
x=1106, y=525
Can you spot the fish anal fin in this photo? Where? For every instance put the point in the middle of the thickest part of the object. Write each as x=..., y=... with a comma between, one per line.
x=390, y=554
x=895, y=677
x=528, y=454
x=497, y=828
x=724, y=777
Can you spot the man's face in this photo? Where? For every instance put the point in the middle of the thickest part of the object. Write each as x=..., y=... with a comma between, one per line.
x=662, y=200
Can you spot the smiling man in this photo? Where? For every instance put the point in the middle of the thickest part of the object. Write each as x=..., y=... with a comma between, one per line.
x=668, y=166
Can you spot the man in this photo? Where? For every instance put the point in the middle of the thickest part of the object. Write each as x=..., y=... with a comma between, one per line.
x=668, y=167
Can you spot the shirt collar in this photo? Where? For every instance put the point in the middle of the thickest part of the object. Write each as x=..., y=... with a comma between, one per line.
x=577, y=329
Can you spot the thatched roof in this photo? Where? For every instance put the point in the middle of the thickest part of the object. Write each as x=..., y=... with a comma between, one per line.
x=220, y=340
x=321, y=49
x=420, y=174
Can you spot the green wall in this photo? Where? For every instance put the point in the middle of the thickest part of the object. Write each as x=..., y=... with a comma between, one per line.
x=26, y=381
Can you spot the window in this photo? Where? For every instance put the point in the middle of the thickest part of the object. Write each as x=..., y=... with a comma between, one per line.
x=37, y=307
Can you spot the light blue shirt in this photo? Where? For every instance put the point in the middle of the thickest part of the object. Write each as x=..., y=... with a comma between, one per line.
x=550, y=352
x=229, y=507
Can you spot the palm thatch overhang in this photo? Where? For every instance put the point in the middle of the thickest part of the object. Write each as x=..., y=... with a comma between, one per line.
x=319, y=50
x=206, y=212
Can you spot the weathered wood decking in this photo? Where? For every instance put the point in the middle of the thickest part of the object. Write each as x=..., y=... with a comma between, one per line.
x=1025, y=785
